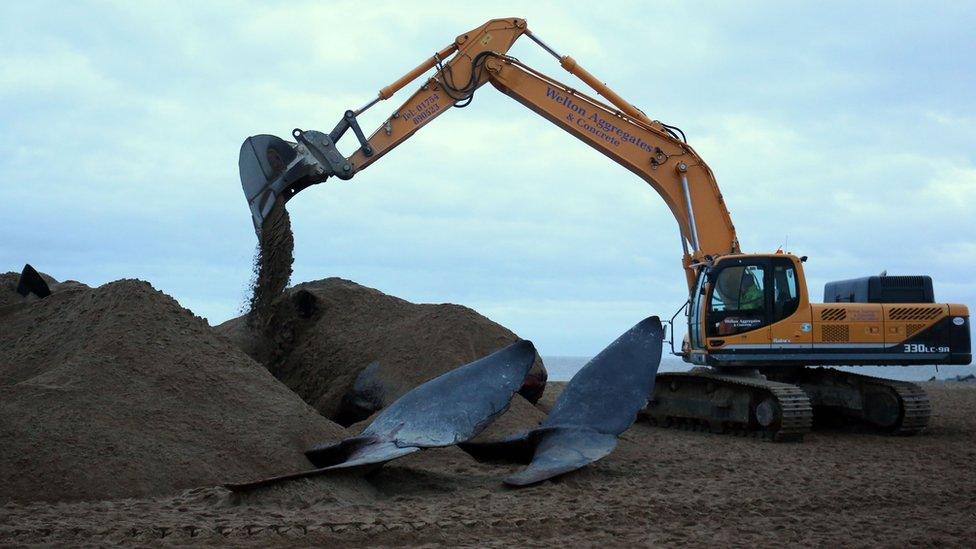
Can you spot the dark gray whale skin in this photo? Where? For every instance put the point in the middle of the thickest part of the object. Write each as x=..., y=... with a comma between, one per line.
x=449, y=409
x=31, y=282
x=600, y=402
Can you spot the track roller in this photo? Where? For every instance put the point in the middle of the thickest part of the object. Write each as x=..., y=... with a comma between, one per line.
x=887, y=405
x=744, y=405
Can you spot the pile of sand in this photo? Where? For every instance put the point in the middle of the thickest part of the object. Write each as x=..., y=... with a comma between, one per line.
x=349, y=350
x=118, y=391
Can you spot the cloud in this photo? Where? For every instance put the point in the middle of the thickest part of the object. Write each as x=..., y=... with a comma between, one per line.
x=62, y=69
x=123, y=122
x=954, y=188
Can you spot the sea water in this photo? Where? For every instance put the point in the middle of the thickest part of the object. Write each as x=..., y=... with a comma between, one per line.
x=562, y=368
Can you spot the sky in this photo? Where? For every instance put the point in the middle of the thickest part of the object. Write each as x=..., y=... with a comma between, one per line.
x=842, y=131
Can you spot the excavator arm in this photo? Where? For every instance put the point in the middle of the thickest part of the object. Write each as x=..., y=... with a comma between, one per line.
x=273, y=169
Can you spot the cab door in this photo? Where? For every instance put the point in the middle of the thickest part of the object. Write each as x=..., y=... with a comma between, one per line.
x=695, y=320
x=792, y=325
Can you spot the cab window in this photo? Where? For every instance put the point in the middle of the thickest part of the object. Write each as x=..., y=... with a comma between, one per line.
x=738, y=289
x=738, y=302
x=785, y=295
x=694, y=316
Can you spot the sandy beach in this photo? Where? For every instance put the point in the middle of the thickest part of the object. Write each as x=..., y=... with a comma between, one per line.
x=660, y=487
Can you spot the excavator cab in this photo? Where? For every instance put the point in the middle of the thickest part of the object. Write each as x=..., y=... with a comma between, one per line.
x=738, y=299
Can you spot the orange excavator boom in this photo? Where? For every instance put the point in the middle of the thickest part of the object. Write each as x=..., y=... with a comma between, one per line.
x=273, y=169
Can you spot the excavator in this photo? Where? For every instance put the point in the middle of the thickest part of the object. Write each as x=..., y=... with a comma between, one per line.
x=760, y=348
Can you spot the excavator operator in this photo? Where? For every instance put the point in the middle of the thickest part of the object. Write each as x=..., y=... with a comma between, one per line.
x=750, y=296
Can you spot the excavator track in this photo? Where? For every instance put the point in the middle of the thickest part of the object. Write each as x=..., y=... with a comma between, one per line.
x=703, y=399
x=917, y=409
x=895, y=407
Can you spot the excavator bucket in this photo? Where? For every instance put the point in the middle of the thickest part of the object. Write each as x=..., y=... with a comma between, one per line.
x=263, y=162
x=452, y=408
x=600, y=402
x=31, y=282
x=273, y=169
